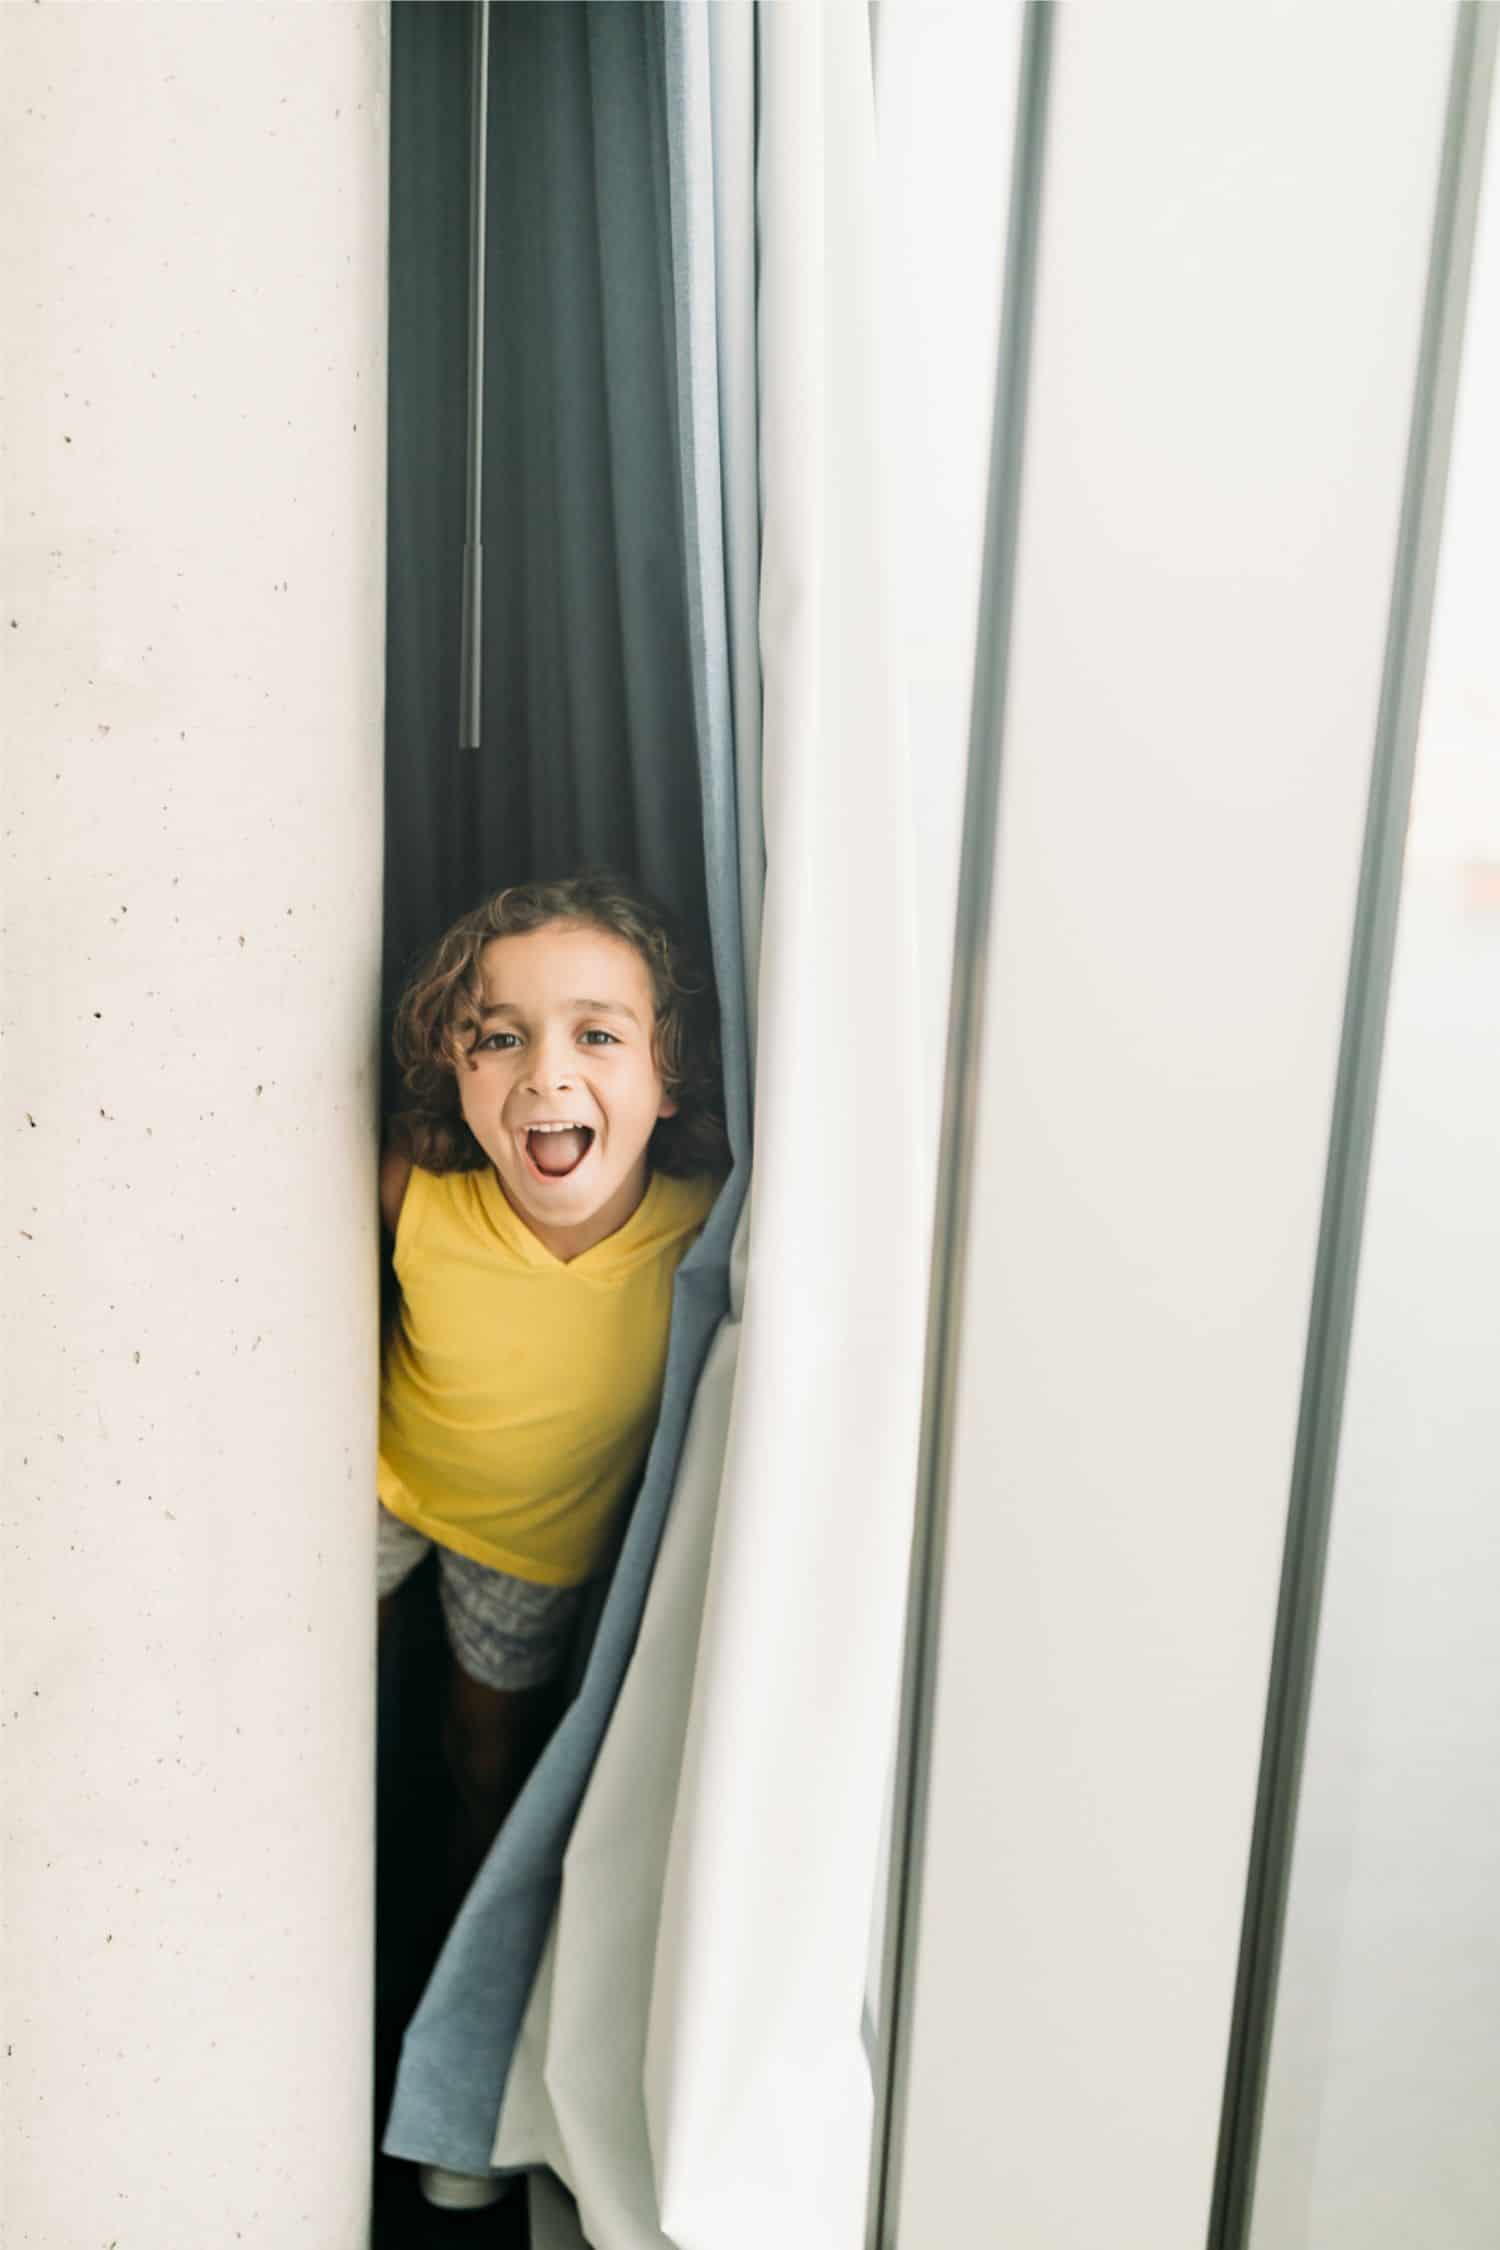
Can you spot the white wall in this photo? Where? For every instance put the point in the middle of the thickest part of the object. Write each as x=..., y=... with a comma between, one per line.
x=1233, y=257
x=192, y=253
x=1382, y=2123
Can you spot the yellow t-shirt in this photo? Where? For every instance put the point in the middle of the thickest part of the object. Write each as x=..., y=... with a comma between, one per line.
x=520, y=1392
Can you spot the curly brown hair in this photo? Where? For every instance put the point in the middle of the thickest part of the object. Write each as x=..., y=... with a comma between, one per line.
x=438, y=1018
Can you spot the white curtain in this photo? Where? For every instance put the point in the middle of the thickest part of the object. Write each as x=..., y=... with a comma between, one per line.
x=692, y=2065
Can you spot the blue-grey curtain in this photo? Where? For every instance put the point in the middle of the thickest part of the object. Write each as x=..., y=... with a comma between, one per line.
x=610, y=673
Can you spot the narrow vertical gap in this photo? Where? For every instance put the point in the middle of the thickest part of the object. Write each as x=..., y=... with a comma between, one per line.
x=955, y=1160
x=1372, y=948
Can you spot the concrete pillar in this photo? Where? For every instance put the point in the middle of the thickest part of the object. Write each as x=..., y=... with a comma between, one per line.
x=192, y=256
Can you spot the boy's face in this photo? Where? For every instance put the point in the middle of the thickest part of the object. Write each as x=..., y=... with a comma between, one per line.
x=566, y=1041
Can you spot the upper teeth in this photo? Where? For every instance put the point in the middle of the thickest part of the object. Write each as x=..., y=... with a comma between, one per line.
x=555, y=1128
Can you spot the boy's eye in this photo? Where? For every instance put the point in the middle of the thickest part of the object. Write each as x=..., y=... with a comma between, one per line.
x=491, y=1041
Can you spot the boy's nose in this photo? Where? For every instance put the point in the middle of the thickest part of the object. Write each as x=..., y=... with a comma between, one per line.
x=550, y=1071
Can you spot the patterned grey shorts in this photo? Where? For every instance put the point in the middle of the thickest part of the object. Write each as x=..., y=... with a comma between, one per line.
x=505, y=1632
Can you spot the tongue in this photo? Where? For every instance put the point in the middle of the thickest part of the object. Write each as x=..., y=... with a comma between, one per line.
x=557, y=1153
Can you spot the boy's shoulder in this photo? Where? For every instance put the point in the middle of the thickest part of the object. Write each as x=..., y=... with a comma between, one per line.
x=425, y=1196
x=688, y=1200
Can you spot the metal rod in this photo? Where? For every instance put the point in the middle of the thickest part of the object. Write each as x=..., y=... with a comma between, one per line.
x=471, y=652
x=1331, y=1314
x=956, y=1152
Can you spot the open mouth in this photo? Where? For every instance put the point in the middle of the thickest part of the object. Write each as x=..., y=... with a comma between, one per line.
x=554, y=1152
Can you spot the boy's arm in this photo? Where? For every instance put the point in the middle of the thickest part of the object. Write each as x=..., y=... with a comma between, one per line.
x=395, y=1171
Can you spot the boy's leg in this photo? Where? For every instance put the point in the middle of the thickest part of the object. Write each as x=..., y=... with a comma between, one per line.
x=484, y=1738
x=509, y=1638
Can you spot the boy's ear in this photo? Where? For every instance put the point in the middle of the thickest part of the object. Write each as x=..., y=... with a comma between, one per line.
x=668, y=1107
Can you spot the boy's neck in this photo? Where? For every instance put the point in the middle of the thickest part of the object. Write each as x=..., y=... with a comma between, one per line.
x=568, y=1243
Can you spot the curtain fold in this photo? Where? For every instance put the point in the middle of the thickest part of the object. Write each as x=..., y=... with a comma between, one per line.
x=691, y=2062
x=731, y=140
x=758, y=2087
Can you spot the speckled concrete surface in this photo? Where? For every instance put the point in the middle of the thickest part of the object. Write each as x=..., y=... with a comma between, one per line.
x=192, y=259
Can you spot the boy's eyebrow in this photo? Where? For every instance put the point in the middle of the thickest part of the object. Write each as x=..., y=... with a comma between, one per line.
x=594, y=1008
